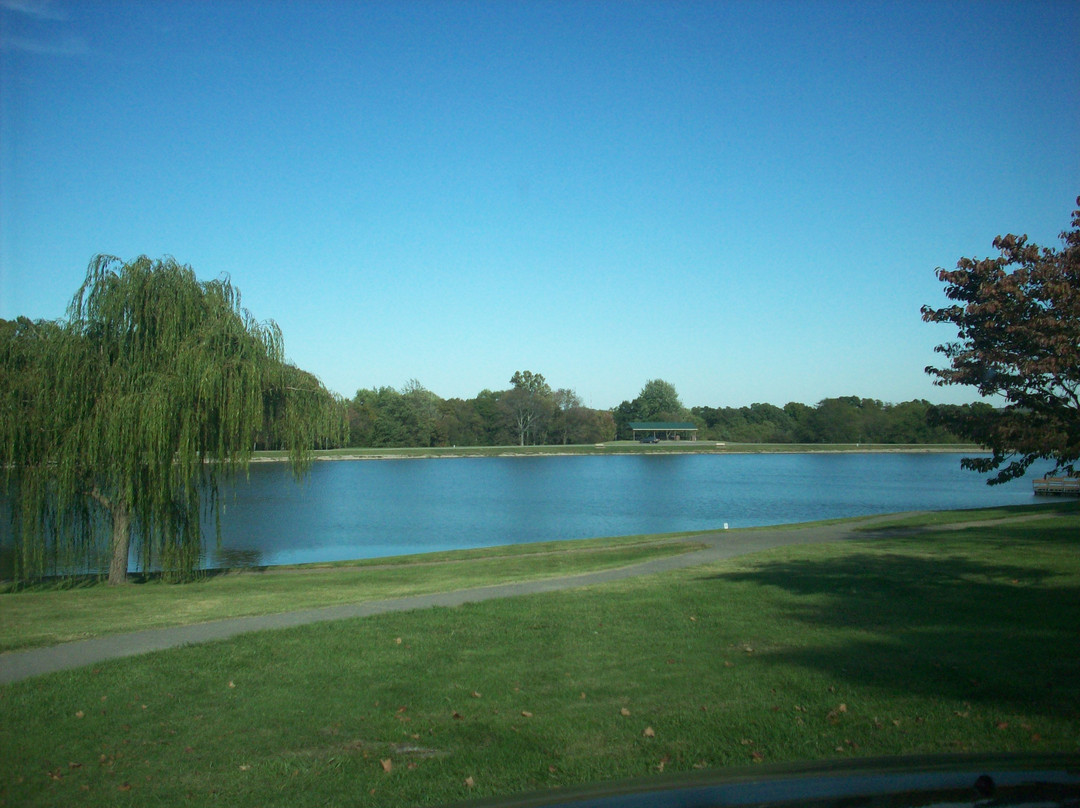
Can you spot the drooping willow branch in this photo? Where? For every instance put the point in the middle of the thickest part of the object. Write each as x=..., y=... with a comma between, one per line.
x=129, y=412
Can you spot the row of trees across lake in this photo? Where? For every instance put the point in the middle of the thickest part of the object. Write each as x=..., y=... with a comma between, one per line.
x=530, y=412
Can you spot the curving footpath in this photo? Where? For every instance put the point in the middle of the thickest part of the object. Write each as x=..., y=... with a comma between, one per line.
x=18, y=665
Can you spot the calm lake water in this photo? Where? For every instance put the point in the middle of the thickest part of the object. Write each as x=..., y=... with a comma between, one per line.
x=366, y=509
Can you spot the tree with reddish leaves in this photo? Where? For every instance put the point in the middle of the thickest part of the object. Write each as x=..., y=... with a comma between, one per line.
x=1018, y=317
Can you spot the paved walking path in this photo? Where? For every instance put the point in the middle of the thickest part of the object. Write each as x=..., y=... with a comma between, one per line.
x=18, y=665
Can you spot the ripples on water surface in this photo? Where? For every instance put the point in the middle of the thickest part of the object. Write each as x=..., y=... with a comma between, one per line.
x=363, y=509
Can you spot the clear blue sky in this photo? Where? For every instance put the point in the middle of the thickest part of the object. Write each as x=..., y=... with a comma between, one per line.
x=747, y=199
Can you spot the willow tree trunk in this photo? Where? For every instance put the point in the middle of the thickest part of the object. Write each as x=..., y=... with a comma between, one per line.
x=118, y=546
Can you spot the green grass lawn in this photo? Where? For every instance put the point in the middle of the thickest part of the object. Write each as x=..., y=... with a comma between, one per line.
x=60, y=611
x=963, y=639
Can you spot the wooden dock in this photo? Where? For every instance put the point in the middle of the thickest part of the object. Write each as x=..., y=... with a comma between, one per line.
x=1067, y=486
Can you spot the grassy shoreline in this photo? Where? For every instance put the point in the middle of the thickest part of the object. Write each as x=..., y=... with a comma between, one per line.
x=56, y=611
x=941, y=637
x=626, y=447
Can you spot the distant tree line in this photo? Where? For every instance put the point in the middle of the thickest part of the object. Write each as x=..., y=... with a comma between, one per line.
x=527, y=413
x=847, y=419
x=530, y=412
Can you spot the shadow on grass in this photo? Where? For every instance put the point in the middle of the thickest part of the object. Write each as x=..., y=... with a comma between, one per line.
x=984, y=516
x=947, y=626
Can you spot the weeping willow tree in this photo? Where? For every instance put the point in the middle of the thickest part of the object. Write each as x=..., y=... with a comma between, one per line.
x=119, y=422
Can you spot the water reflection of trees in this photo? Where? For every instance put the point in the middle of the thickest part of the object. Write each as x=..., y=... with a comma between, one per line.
x=237, y=557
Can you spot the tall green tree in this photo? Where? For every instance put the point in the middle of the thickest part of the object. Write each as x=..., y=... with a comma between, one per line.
x=491, y=420
x=419, y=414
x=658, y=401
x=565, y=420
x=527, y=405
x=116, y=422
x=1018, y=322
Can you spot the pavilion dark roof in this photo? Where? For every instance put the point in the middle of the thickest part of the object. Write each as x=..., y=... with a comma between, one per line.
x=662, y=425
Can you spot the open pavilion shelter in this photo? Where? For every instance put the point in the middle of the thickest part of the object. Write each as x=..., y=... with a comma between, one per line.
x=664, y=430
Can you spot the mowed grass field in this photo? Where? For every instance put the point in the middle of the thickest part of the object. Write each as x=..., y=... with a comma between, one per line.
x=59, y=611
x=903, y=641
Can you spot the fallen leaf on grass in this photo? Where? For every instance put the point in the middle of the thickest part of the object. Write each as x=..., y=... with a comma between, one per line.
x=245, y=767
x=649, y=732
x=624, y=711
x=469, y=782
x=456, y=716
x=397, y=640
x=756, y=756
x=79, y=714
x=475, y=694
x=231, y=683
x=526, y=714
x=74, y=765
x=387, y=765
x=834, y=715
